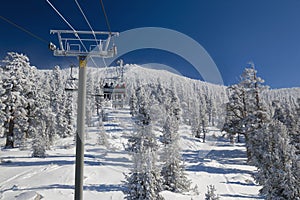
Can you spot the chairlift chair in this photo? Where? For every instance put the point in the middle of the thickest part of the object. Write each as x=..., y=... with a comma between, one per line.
x=114, y=88
x=71, y=84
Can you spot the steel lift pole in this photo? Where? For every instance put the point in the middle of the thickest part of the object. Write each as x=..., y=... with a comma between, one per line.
x=80, y=129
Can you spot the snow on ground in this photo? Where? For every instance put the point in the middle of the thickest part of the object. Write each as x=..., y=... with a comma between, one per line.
x=215, y=162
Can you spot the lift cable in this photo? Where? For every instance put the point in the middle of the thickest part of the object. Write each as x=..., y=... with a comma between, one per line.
x=62, y=17
x=108, y=26
x=24, y=30
x=29, y=33
x=75, y=32
x=87, y=21
x=105, y=15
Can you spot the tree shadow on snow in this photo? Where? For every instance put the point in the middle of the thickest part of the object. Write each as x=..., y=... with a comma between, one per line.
x=236, y=157
x=191, y=156
x=98, y=188
x=216, y=170
x=239, y=183
x=39, y=163
x=223, y=157
x=242, y=196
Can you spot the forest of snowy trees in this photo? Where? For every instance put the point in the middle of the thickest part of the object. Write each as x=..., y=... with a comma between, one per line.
x=36, y=110
x=34, y=107
x=271, y=132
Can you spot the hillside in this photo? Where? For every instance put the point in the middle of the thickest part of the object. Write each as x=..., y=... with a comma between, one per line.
x=216, y=162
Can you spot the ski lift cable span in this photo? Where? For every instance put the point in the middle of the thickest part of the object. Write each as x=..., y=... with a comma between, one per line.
x=24, y=30
x=75, y=32
x=107, y=22
x=87, y=21
x=29, y=33
x=105, y=15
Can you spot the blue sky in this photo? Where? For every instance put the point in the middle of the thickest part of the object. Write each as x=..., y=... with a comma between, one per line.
x=233, y=32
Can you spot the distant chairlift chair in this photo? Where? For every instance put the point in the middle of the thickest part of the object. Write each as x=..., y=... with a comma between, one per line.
x=114, y=89
x=71, y=84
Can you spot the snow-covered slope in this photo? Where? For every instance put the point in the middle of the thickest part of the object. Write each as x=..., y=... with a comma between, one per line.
x=215, y=162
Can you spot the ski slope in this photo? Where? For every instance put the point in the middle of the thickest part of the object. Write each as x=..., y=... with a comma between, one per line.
x=215, y=162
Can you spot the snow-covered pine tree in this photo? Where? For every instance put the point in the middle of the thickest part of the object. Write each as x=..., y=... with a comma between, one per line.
x=98, y=98
x=200, y=118
x=16, y=86
x=133, y=104
x=211, y=109
x=279, y=171
x=43, y=97
x=144, y=181
x=257, y=117
x=102, y=136
x=143, y=124
x=289, y=118
x=246, y=111
x=236, y=111
x=211, y=193
x=60, y=104
x=89, y=101
x=68, y=115
x=297, y=129
x=39, y=142
x=56, y=93
x=2, y=114
x=174, y=177
x=41, y=116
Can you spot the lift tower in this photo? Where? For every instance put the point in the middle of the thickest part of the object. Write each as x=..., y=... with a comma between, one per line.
x=84, y=45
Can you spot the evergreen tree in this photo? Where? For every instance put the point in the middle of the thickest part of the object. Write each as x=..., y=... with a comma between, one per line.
x=143, y=182
x=236, y=111
x=211, y=193
x=16, y=87
x=39, y=142
x=246, y=111
x=56, y=92
x=102, y=136
x=98, y=99
x=89, y=101
x=289, y=118
x=143, y=121
x=60, y=105
x=44, y=92
x=174, y=178
x=279, y=171
x=173, y=170
x=2, y=114
x=200, y=118
x=40, y=118
x=296, y=140
x=133, y=104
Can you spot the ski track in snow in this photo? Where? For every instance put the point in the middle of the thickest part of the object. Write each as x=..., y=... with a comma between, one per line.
x=206, y=163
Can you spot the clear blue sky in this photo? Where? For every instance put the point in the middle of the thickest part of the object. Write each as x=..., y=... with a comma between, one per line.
x=233, y=32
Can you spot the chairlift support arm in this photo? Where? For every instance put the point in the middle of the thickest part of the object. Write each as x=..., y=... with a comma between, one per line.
x=66, y=41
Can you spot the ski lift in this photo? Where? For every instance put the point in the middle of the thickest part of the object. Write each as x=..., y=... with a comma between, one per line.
x=114, y=88
x=71, y=84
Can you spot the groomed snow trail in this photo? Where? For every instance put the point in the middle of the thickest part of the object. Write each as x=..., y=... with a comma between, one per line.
x=215, y=162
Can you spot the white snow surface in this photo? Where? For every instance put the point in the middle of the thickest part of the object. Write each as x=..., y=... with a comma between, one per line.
x=215, y=162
